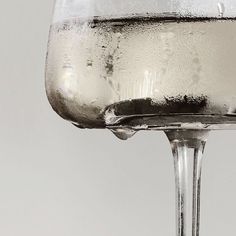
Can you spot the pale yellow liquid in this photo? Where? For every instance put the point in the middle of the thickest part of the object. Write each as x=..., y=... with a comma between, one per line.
x=91, y=66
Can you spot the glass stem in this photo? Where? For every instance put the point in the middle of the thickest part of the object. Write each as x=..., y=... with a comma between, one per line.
x=187, y=148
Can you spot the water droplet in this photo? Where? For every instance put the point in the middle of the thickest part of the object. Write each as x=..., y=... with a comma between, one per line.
x=195, y=79
x=89, y=63
x=196, y=60
x=199, y=69
x=163, y=71
x=123, y=133
x=93, y=101
x=221, y=9
x=118, y=34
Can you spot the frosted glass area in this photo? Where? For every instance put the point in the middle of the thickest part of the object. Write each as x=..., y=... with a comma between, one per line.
x=89, y=8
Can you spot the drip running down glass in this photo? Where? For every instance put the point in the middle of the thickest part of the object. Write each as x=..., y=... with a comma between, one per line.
x=148, y=65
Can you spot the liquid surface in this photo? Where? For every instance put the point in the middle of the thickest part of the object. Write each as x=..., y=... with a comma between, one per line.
x=143, y=72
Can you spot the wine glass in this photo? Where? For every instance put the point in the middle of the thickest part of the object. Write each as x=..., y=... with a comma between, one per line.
x=133, y=65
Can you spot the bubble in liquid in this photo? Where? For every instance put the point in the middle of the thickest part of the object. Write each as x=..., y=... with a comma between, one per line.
x=221, y=9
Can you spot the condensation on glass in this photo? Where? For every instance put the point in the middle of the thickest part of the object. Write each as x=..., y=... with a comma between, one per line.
x=120, y=61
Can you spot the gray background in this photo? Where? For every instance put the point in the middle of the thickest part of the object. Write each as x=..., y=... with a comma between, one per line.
x=59, y=180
